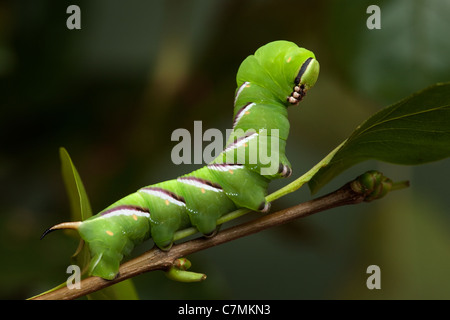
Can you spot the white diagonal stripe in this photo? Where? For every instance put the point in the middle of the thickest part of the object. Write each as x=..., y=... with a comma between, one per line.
x=240, y=90
x=242, y=112
x=126, y=212
x=196, y=183
x=162, y=195
x=225, y=167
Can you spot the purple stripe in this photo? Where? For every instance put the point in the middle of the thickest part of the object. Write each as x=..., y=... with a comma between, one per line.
x=167, y=192
x=237, y=141
x=202, y=181
x=239, y=114
x=126, y=207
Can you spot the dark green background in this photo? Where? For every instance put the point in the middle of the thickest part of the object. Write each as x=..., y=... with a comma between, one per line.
x=113, y=92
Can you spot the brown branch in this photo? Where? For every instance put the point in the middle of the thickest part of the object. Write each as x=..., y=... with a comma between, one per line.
x=156, y=259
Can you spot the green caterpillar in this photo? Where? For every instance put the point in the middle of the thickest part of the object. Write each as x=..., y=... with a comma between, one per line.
x=278, y=75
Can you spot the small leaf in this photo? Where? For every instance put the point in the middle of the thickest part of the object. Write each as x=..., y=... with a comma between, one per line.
x=79, y=201
x=413, y=131
x=80, y=207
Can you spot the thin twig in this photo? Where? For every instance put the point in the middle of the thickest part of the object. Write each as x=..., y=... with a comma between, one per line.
x=156, y=259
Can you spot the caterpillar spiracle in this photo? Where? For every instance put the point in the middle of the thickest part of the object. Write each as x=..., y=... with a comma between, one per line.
x=277, y=76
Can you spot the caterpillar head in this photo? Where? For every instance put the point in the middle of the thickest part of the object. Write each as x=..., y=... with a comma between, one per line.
x=282, y=70
x=305, y=79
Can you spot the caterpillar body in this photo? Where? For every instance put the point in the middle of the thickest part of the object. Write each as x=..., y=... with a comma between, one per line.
x=278, y=75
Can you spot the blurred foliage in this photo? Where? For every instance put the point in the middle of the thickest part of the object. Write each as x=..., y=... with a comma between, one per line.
x=113, y=92
x=414, y=131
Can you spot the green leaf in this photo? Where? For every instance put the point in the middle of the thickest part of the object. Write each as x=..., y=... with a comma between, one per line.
x=413, y=131
x=79, y=201
x=80, y=207
x=81, y=210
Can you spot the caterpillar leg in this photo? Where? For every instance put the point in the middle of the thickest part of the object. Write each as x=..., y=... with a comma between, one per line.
x=167, y=212
x=213, y=233
x=163, y=237
x=205, y=198
x=264, y=207
x=246, y=188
